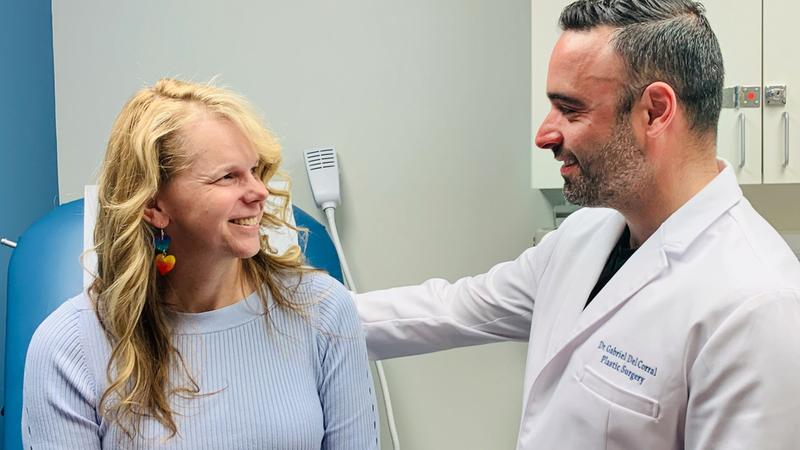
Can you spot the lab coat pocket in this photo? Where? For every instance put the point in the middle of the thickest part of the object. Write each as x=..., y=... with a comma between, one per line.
x=598, y=385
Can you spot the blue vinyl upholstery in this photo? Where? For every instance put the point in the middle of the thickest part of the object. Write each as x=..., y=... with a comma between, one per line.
x=45, y=271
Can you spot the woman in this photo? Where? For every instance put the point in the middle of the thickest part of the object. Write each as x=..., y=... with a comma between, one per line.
x=195, y=334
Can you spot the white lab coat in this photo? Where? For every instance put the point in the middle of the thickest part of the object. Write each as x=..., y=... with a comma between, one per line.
x=693, y=344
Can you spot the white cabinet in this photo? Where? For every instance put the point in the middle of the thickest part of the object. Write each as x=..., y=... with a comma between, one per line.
x=738, y=30
x=781, y=67
x=753, y=140
x=757, y=50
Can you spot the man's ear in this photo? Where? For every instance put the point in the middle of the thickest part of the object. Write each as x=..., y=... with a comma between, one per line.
x=660, y=103
x=155, y=215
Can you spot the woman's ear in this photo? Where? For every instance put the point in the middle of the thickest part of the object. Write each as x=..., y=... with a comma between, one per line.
x=661, y=104
x=154, y=215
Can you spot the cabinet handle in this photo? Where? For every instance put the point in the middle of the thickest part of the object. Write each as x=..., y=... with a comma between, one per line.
x=742, y=148
x=785, y=117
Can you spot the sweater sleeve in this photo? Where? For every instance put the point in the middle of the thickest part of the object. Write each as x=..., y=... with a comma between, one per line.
x=346, y=389
x=58, y=404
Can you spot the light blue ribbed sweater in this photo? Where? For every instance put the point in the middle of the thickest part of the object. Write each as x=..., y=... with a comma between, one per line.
x=295, y=383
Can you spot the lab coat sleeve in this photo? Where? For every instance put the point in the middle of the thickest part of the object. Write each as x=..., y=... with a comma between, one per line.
x=743, y=388
x=438, y=315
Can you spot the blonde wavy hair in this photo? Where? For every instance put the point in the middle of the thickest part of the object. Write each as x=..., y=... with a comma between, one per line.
x=144, y=150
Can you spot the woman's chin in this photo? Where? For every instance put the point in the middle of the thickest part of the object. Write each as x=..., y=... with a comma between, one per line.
x=249, y=251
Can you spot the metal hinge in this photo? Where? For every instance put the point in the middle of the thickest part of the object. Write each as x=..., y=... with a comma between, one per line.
x=741, y=97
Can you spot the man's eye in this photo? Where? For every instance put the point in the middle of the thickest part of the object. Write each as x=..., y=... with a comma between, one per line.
x=567, y=111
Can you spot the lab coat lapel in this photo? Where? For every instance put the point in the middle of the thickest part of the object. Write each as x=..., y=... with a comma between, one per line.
x=618, y=291
x=647, y=263
x=670, y=242
x=585, y=271
x=671, y=239
x=674, y=236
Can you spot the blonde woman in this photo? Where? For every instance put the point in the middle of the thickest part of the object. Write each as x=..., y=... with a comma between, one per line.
x=195, y=335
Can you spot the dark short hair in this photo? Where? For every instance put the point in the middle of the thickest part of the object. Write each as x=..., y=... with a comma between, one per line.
x=660, y=40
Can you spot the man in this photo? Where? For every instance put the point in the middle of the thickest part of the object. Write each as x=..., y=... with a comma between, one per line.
x=666, y=316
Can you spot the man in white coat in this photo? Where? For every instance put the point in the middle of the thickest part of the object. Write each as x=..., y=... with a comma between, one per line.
x=667, y=314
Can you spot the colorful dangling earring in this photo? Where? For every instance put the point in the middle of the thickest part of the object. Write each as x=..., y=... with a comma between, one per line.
x=164, y=262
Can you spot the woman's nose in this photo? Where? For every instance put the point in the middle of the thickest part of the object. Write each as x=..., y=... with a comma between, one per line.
x=257, y=192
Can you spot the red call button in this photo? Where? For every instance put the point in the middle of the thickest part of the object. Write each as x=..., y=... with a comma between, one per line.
x=751, y=96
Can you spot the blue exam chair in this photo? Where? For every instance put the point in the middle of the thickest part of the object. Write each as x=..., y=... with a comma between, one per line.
x=45, y=271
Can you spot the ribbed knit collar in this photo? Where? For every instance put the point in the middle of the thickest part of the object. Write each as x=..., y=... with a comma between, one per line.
x=231, y=316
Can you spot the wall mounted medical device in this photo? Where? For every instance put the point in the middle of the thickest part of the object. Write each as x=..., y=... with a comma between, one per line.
x=323, y=174
x=322, y=166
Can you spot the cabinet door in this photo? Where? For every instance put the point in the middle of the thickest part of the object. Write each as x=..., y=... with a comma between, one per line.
x=781, y=67
x=738, y=28
x=544, y=34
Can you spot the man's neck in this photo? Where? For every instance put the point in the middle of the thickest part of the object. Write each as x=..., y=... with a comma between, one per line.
x=673, y=187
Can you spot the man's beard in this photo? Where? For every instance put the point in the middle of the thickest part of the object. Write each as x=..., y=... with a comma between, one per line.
x=614, y=176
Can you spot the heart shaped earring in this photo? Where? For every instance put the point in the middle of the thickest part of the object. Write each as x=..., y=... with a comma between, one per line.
x=164, y=262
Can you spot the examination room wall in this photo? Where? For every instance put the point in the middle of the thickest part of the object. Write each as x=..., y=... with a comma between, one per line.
x=428, y=106
x=28, y=183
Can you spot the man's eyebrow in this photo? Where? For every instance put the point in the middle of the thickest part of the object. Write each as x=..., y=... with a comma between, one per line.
x=556, y=97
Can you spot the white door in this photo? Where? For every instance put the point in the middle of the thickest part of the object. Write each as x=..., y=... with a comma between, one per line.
x=781, y=67
x=738, y=28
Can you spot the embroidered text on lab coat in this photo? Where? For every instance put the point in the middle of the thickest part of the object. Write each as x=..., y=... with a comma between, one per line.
x=629, y=365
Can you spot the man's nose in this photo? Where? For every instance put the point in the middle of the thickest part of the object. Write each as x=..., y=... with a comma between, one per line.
x=548, y=136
